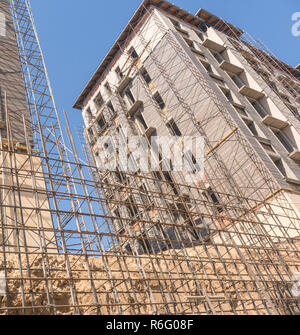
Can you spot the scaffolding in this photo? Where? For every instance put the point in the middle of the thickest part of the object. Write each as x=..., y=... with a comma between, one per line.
x=63, y=250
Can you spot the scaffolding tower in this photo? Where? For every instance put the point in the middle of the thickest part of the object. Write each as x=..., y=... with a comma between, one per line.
x=61, y=252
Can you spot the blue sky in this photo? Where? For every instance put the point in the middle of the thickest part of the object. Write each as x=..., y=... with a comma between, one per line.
x=75, y=35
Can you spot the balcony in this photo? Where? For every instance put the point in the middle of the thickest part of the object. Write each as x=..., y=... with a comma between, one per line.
x=248, y=55
x=293, y=108
x=204, y=62
x=295, y=155
x=225, y=90
x=247, y=119
x=284, y=97
x=2, y=124
x=236, y=104
x=134, y=108
x=149, y=131
x=259, y=69
x=212, y=45
x=293, y=181
x=198, y=52
x=229, y=67
x=216, y=76
x=124, y=83
x=251, y=93
x=180, y=30
x=274, y=122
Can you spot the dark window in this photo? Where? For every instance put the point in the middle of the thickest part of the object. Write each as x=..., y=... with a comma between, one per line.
x=107, y=86
x=285, y=98
x=215, y=200
x=203, y=27
x=259, y=108
x=111, y=108
x=156, y=151
x=129, y=95
x=89, y=112
x=118, y=225
x=169, y=179
x=199, y=55
x=267, y=147
x=119, y=73
x=200, y=35
x=189, y=43
x=159, y=100
x=228, y=95
x=218, y=57
x=146, y=76
x=241, y=110
x=253, y=63
x=133, y=53
x=252, y=128
x=284, y=141
x=157, y=175
x=142, y=121
x=207, y=67
x=273, y=85
x=176, y=24
x=99, y=101
x=121, y=177
x=174, y=210
x=193, y=161
x=146, y=199
x=101, y=122
x=132, y=208
x=238, y=81
x=128, y=249
x=294, y=110
x=117, y=213
x=278, y=163
x=174, y=128
x=178, y=27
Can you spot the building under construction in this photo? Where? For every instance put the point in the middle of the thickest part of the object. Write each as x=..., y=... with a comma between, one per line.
x=80, y=239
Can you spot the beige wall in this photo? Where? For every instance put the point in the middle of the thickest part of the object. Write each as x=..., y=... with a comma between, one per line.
x=27, y=208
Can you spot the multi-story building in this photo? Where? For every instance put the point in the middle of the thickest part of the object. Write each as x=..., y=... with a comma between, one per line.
x=173, y=73
x=22, y=182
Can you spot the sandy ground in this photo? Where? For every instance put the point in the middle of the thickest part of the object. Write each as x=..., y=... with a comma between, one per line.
x=247, y=283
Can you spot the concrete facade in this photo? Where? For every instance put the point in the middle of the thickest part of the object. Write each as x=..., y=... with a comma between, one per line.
x=11, y=81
